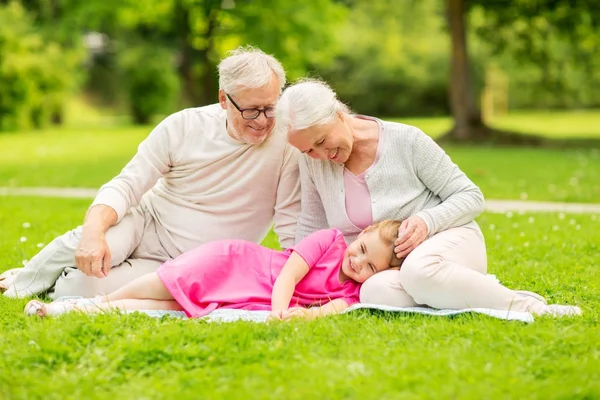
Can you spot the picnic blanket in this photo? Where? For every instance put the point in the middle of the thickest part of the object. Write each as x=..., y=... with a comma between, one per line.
x=228, y=315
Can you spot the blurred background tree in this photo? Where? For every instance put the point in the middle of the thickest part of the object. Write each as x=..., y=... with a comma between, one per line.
x=36, y=72
x=387, y=58
x=549, y=46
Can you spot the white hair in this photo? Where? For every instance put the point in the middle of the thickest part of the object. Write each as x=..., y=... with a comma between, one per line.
x=309, y=102
x=249, y=67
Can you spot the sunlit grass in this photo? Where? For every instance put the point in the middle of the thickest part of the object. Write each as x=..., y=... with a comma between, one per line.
x=575, y=124
x=89, y=157
x=360, y=356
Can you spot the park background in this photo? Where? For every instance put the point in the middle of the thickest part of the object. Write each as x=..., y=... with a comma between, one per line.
x=510, y=89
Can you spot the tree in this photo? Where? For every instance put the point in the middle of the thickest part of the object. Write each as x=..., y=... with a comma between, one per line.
x=199, y=32
x=468, y=124
x=577, y=22
x=36, y=74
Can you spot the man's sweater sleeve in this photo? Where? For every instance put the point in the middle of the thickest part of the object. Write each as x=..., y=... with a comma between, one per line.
x=152, y=160
x=462, y=200
x=312, y=217
x=287, y=204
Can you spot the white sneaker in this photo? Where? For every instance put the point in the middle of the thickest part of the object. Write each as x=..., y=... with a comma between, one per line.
x=57, y=307
x=559, y=310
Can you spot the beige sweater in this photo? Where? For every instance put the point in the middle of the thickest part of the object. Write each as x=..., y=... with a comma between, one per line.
x=414, y=176
x=200, y=184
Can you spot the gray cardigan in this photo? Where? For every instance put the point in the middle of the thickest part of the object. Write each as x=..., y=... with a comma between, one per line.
x=414, y=176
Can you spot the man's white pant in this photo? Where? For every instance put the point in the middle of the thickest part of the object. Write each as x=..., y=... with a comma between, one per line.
x=135, y=250
x=447, y=270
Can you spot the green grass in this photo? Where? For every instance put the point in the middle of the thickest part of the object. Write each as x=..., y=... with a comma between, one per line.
x=532, y=173
x=360, y=356
x=89, y=157
x=575, y=124
x=67, y=157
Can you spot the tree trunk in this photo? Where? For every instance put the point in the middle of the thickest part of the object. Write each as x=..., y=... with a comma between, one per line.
x=187, y=55
x=468, y=124
x=208, y=89
x=196, y=68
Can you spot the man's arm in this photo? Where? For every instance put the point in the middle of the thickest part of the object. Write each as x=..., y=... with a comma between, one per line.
x=150, y=163
x=152, y=160
x=92, y=256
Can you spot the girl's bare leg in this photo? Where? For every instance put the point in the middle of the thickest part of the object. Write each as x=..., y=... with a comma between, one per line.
x=148, y=287
x=144, y=293
x=131, y=304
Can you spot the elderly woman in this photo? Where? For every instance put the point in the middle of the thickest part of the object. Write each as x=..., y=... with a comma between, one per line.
x=358, y=170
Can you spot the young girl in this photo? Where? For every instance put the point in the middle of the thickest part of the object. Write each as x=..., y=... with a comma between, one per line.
x=320, y=272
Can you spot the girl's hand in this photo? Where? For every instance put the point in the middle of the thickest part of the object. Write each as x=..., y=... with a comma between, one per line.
x=275, y=315
x=298, y=312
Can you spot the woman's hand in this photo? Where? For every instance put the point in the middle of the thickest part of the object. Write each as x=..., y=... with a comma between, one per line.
x=411, y=233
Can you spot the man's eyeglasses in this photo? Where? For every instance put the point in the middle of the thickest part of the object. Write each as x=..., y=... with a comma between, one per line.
x=253, y=113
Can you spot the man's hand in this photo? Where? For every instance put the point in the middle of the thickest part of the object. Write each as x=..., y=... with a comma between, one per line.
x=93, y=255
x=412, y=232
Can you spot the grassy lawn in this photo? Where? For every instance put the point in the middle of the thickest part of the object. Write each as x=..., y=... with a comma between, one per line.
x=360, y=356
x=88, y=157
x=576, y=124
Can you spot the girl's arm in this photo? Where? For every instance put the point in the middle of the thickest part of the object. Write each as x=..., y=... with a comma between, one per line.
x=292, y=272
x=336, y=306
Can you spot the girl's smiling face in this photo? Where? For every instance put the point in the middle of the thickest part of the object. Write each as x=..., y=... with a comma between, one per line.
x=366, y=256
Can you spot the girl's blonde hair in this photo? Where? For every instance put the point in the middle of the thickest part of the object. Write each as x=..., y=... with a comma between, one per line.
x=388, y=233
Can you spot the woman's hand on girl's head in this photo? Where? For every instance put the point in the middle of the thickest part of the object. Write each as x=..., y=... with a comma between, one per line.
x=411, y=233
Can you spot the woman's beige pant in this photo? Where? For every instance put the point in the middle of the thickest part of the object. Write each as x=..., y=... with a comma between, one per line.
x=135, y=250
x=447, y=270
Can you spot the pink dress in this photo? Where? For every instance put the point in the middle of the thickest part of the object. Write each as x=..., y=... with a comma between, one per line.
x=241, y=274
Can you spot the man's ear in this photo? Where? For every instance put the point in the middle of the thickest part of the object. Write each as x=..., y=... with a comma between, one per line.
x=223, y=99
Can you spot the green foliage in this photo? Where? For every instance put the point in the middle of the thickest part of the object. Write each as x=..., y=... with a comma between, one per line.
x=549, y=48
x=394, y=59
x=150, y=81
x=384, y=57
x=200, y=33
x=36, y=75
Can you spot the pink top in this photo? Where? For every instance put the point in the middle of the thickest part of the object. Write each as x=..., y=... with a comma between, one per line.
x=358, y=196
x=241, y=274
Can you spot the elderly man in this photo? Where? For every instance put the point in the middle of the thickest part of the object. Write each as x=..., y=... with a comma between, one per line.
x=208, y=173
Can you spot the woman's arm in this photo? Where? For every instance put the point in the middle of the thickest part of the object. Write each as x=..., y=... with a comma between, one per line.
x=287, y=203
x=312, y=215
x=292, y=272
x=462, y=200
